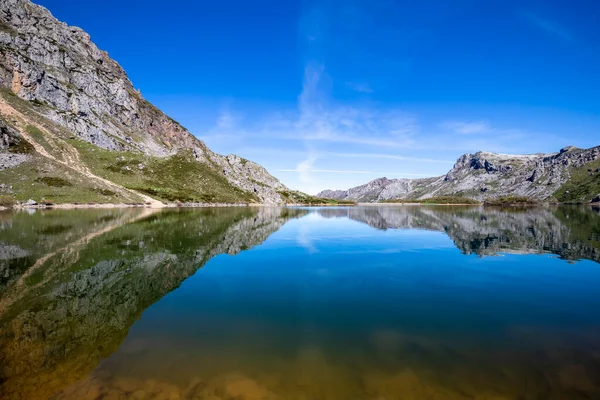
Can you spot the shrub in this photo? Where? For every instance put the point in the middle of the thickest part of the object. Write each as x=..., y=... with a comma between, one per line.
x=7, y=201
x=54, y=181
x=104, y=192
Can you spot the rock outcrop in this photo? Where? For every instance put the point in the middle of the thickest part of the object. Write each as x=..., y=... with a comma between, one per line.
x=485, y=175
x=67, y=80
x=13, y=148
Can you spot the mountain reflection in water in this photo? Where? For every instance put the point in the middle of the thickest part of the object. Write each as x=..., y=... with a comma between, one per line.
x=327, y=308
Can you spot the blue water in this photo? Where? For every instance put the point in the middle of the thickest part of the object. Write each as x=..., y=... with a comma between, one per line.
x=373, y=303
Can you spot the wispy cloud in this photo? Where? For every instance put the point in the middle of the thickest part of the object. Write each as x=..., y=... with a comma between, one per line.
x=305, y=170
x=322, y=119
x=225, y=128
x=466, y=127
x=385, y=156
x=225, y=120
x=550, y=27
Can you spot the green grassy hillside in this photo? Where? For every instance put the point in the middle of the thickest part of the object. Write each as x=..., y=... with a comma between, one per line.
x=59, y=167
x=583, y=185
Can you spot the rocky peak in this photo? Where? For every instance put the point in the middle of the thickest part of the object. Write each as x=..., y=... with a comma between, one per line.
x=486, y=175
x=78, y=85
x=568, y=148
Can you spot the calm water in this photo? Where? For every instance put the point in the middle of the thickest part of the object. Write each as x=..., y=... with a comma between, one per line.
x=334, y=303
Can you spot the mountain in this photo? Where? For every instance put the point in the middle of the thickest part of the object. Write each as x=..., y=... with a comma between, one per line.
x=74, y=129
x=570, y=175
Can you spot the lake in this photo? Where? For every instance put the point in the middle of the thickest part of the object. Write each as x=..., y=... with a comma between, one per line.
x=390, y=302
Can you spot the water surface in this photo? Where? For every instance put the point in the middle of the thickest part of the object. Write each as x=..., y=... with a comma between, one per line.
x=394, y=302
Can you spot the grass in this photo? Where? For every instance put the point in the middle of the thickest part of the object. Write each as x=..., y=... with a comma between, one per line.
x=176, y=178
x=53, y=181
x=40, y=178
x=38, y=136
x=437, y=200
x=583, y=185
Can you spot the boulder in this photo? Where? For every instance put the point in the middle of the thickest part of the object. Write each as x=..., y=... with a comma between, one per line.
x=30, y=202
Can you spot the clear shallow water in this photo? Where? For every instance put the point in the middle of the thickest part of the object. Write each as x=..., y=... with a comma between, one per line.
x=332, y=303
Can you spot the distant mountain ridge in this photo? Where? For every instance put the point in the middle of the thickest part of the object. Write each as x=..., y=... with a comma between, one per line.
x=59, y=94
x=569, y=175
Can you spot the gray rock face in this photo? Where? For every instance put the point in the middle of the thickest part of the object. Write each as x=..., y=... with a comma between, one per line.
x=249, y=176
x=10, y=140
x=82, y=89
x=333, y=194
x=11, y=160
x=481, y=176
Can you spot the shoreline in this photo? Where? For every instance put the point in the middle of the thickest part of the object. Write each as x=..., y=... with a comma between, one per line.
x=75, y=206
x=420, y=204
x=81, y=206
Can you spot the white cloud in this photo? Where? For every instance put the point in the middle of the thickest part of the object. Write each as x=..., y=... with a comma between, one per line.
x=304, y=169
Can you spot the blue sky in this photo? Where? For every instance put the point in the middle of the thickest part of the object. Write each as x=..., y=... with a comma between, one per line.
x=332, y=94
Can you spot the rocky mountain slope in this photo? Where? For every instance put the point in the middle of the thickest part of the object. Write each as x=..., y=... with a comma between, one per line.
x=570, y=175
x=74, y=128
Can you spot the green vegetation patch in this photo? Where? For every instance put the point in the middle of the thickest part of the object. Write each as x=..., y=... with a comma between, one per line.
x=4, y=27
x=54, y=181
x=176, y=178
x=7, y=201
x=583, y=185
x=53, y=147
x=40, y=178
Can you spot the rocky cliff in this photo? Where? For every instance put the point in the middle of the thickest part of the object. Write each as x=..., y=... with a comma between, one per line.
x=59, y=90
x=570, y=175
